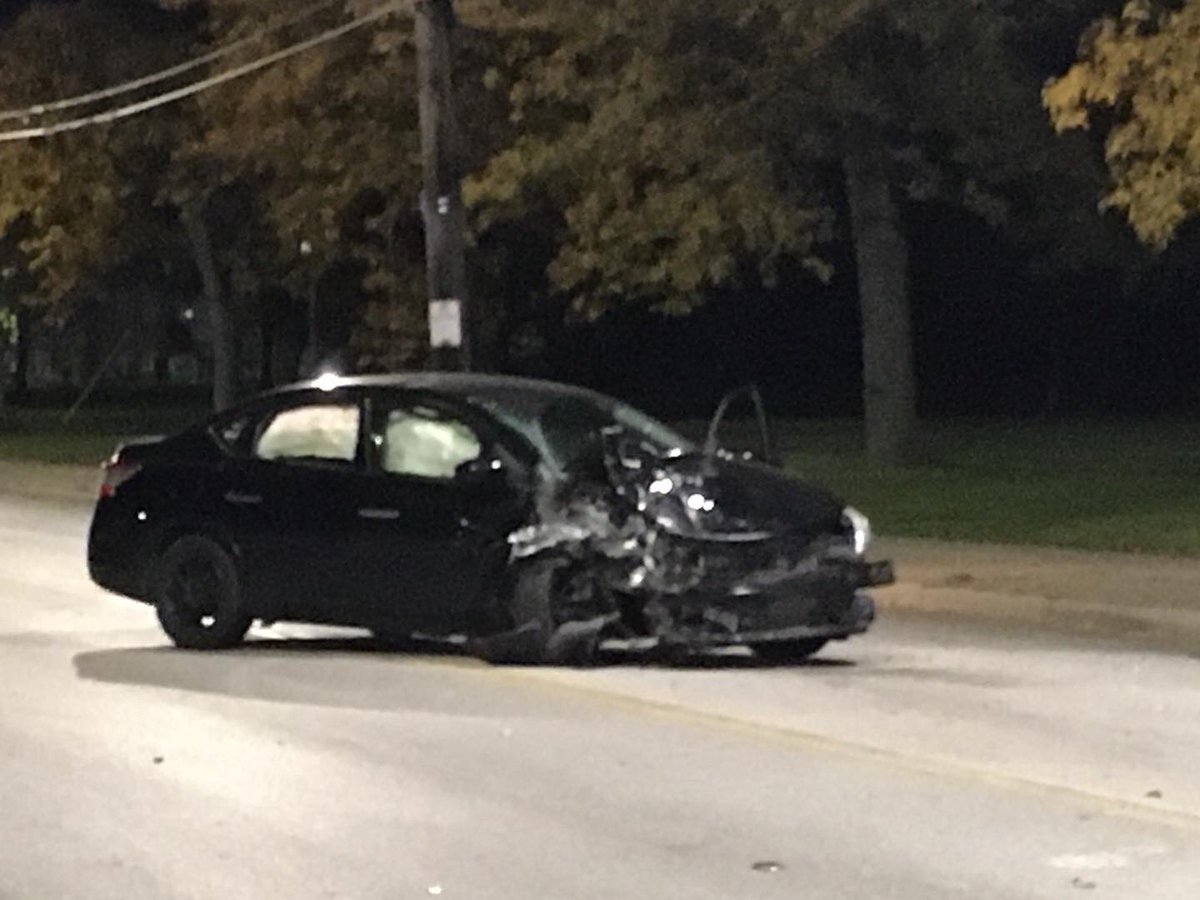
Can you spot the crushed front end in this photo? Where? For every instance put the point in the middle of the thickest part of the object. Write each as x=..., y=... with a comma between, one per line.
x=696, y=551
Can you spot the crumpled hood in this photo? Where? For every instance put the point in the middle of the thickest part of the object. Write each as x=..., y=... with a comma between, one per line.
x=755, y=496
x=710, y=499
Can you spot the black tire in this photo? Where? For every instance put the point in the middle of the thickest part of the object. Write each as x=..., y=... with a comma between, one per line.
x=534, y=638
x=783, y=652
x=198, y=595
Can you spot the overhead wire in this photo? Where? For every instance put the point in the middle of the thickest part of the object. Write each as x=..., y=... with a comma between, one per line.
x=133, y=109
x=116, y=90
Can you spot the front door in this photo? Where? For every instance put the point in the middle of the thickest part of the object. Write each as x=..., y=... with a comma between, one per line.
x=433, y=539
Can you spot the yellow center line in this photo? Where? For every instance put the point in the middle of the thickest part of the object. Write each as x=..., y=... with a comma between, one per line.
x=787, y=736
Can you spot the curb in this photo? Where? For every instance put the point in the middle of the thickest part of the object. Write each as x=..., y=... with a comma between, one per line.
x=1139, y=599
x=1176, y=630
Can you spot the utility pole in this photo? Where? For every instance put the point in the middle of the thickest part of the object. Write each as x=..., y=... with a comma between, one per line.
x=450, y=316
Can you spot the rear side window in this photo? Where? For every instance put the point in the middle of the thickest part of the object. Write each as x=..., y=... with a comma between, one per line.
x=319, y=432
x=422, y=442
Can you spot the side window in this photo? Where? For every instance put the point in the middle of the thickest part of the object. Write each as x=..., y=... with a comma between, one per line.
x=235, y=435
x=319, y=432
x=421, y=441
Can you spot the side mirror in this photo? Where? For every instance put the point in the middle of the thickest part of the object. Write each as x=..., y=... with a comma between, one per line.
x=485, y=470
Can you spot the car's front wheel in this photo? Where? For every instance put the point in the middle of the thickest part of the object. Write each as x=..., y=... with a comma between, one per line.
x=535, y=637
x=783, y=652
x=198, y=595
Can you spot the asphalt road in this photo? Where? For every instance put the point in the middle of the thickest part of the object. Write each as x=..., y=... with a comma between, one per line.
x=922, y=761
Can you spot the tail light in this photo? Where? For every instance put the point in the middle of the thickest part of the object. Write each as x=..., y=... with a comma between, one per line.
x=116, y=473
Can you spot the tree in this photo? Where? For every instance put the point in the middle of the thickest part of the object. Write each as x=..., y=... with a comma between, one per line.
x=64, y=190
x=64, y=198
x=675, y=142
x=1135, y=80
x=308, y=137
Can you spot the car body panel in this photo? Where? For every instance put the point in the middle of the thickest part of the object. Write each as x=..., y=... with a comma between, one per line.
x=665, y=541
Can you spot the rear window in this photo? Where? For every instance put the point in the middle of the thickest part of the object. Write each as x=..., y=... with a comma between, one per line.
x=319, y=432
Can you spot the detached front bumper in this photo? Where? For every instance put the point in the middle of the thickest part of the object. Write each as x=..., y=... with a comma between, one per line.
x=827, y=600
x=858, y=618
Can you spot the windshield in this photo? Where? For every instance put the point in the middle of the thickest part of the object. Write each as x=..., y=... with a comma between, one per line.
x=567, y=428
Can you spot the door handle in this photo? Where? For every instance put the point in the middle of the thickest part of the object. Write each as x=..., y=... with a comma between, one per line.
x=243, y=499
x=386, y=515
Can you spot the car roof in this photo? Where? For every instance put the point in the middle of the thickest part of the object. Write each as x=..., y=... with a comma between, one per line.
x=453, y=383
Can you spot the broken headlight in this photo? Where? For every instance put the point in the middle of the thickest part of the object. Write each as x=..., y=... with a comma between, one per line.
x=858, y=529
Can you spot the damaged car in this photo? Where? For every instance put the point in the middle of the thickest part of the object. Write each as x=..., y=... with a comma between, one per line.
x=539, y=520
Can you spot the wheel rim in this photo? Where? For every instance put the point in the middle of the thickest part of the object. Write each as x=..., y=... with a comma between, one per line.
x=195, y=590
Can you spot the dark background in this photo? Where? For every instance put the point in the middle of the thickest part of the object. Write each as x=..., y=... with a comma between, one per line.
x=991, y=337
x=994, y=336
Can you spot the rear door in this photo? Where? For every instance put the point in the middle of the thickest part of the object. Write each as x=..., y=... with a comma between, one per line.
x=434, y=541
x=291, y=495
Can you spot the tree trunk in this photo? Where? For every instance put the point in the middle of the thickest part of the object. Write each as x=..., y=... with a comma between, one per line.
x=4, y=349
x=266, y=349
x=224, y=341
x=881, y=256
x=19, y=389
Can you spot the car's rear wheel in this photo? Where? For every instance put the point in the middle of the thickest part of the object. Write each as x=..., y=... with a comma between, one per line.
x=198, y=595
x=782, y=652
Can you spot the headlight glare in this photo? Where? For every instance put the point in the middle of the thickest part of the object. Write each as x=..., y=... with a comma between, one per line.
x=859, y=527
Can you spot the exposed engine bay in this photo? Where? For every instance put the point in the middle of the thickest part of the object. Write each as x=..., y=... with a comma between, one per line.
x=681, y=551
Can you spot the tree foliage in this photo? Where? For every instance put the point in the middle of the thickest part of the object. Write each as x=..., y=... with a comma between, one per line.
x=72, y=194
x=689, y=144
x=638, y=130
x=310, y=132
x=676, y=139
x=63, y=191
x=310, y=137
x=1136, y=80
x=657, y=151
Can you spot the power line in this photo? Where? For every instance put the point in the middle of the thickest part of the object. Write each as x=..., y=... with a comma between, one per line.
x=40, y=109
x=133, y=109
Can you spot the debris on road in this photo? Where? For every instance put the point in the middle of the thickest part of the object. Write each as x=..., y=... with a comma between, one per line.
x=768, y=865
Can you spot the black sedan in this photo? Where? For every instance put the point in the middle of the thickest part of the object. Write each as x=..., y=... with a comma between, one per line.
x=535, y=518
